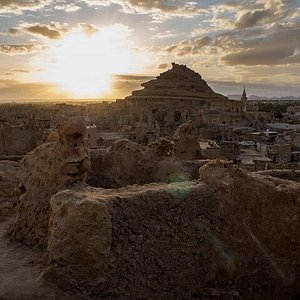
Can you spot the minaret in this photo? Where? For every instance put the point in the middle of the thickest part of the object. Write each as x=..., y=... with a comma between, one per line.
x=244, y=100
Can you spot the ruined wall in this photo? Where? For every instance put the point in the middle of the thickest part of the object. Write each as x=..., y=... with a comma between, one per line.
x=186, y=139
x=16, y=140
x=283, y=174
x=8, y=184
x=127, y=163
x=43, y=172
x=233, y=234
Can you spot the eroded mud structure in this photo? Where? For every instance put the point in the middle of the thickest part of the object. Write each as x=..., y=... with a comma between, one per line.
x=222, y=232
x=46, y=170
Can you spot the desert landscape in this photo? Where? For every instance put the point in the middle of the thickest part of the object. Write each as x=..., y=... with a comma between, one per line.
x=149, y=150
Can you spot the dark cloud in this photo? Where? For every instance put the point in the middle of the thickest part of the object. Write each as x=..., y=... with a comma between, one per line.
x=53, y=30
x=252, y=18
x=122, y=88
x=44, y=31
x=201, y=42
x=14, y=89
x=10, y=49
x=171, y=49
x=188, y=47
x=13, y=31
x=281, y=45
x=124, y=84
x=257, y=57
x=133, y=77
x=162, y=66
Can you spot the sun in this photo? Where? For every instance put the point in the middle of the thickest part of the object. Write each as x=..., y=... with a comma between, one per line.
x=83, y=65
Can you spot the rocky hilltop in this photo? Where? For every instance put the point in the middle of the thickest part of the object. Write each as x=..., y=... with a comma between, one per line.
x=180, y=81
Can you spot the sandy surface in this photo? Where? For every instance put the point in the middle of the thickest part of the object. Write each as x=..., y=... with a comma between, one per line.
x=20, y=272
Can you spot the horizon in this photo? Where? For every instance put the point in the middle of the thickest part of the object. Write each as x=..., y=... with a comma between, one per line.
x=105, y=49
x=111, y=100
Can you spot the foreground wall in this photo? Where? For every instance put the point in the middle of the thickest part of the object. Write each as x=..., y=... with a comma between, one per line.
x=49, y=168
x=232, y=234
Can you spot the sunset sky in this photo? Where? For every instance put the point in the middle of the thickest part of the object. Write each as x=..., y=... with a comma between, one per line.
x=106, y=48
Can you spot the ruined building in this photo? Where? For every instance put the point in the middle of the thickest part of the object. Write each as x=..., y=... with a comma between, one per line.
x=175, y=97
x=195, y=238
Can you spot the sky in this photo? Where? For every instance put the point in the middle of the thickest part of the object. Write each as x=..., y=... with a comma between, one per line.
x=54, y=49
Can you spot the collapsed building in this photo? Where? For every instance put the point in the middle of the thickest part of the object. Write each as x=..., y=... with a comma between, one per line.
x=226, y=233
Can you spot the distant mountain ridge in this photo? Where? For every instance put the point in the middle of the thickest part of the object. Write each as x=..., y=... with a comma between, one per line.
x=257, y=98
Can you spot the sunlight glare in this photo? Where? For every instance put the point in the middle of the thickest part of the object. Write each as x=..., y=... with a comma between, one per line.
x=83, y=65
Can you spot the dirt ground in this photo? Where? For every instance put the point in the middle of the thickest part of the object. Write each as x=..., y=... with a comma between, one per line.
x=20, y=272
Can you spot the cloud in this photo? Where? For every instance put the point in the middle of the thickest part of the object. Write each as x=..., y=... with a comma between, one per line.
x=165, y=34
x=257, y=56
x=13, y=31
x=188, y=47
x=279, y=45
x=133, y=77
x=246, y=14
x=200, y=32
x=163, y=66
x=67, y=7
x=17, y=49
x=157, y=8
x=252, y=18
x=53, y=30
x=17, y=6
x=17, y=90
x=44, y=31
x=14, y=71
x=88, y=29
x=247, y=19
x=294, y=59
x=124, y=84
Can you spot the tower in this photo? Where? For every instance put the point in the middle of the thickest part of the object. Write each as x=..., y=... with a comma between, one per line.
x=244, y=100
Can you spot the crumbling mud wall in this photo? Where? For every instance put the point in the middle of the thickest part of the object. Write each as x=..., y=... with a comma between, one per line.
x=16, y=140
x=43, y=172
x=232, y=234
x=283, y=174
x=186, y=139
x=127, y=163
x=8, y=184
